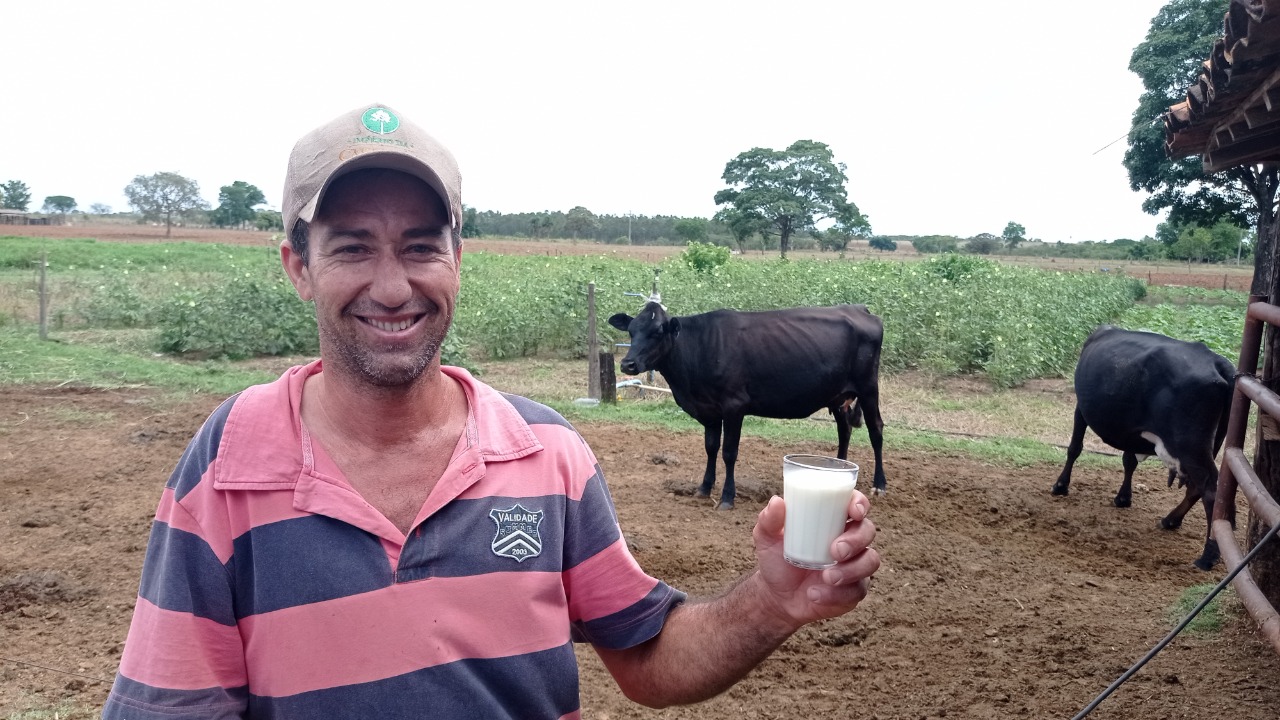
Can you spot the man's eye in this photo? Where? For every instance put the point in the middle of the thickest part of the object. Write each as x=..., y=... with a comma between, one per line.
x=422, y=248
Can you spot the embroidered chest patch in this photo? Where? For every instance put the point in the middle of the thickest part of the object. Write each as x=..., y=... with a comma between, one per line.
x=517, y=536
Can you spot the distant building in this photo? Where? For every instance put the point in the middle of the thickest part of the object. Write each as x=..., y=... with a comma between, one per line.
x=9, y=216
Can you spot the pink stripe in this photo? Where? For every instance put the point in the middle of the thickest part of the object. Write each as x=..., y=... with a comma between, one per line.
x=248, y=510
x=180, y=651
x=169, y=513
x=598, y=588
x=403, y=628
x=542, y=473
x=225, y=515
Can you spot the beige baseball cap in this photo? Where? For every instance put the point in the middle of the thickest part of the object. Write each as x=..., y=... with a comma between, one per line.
x=370, y=136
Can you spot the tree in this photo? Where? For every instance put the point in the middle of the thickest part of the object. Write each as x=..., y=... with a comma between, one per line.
x=1013, y=234
x=580, y=221
x=740, y=224
x=692, y=230
x=470, y=225
x=164, y=196
x=935, y=244
x=1148, y=249
x=268, y=220
x=100, y=209
x=15, y=195
x=982, y=244
x=1169, y=60
x=831, y=239
x=788, y=191
x=236, y=204
x=1193, y=244
x=540, y=225
x=880, y=242
x=1228, y=241
x=60, y=204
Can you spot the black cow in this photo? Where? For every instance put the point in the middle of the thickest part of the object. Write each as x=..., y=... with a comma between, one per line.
x=724, y=365
x=1147, y=394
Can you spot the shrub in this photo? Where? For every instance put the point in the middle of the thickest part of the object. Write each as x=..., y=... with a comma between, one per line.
x=115, y=303
x=705, y=257
x=248, y=316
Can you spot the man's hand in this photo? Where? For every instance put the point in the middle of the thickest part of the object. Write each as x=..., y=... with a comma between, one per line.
x=802, y=596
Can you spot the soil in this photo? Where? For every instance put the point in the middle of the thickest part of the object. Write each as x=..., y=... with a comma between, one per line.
x=994, y=600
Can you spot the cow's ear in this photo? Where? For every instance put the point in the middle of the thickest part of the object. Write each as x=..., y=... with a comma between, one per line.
x=673, y=326
x=621, y=321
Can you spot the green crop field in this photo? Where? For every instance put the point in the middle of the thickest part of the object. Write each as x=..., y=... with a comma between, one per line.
x=950, y=314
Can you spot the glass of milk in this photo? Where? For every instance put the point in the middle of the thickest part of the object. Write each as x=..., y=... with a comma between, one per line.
x=817, y=491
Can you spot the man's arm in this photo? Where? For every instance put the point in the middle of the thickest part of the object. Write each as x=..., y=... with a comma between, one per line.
x=705, y=647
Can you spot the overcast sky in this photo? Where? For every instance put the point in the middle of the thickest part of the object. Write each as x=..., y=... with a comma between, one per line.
x=951, y=117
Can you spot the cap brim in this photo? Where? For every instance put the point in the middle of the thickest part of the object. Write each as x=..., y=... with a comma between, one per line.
x=388, y=160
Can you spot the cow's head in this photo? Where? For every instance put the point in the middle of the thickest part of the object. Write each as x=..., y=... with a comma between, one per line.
x=652, y=334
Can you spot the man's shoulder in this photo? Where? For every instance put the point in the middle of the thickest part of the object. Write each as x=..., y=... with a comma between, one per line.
x=490, y=400
x=534, y=412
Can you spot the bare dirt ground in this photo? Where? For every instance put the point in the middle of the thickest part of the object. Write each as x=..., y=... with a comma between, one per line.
x=995, y=599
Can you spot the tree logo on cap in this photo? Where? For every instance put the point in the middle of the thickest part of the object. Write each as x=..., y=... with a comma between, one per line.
x=380, y=120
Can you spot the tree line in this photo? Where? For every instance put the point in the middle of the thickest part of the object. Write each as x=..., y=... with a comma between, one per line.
x=164, y=197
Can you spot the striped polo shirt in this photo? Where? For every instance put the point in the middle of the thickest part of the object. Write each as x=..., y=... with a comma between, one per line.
x=271, y=589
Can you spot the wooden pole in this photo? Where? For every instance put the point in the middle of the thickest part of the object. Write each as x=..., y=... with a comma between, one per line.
x=44, y=298
x=593, y=345
x=608, y=381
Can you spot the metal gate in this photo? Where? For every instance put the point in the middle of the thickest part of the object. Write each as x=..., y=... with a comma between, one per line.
x=1237, y=472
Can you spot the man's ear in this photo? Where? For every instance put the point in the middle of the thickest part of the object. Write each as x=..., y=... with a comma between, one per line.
x=297, y=270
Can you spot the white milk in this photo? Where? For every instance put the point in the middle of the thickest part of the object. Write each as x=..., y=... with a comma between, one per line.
x=817, y=491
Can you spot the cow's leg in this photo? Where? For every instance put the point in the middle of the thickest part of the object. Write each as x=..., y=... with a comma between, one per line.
x=1209, y=557
x=711, y=438
x=732, y=434
x=842, y=412
x=1124, y=498
x=870, y=402
x=1063, y=485
x=1200, y=475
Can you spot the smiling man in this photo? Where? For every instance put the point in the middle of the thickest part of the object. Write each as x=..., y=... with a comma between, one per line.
x=377, y=535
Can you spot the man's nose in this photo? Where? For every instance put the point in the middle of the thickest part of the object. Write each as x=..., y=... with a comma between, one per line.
x=390, y=286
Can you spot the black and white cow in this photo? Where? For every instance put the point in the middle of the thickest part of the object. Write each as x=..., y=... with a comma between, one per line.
x=724, y=365
x=1147, y=394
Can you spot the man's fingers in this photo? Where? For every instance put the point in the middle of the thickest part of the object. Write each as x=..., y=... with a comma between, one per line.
x=772, y=517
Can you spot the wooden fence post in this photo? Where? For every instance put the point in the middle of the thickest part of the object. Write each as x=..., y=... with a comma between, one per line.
x=44, y=298
x=593, y=345
x=608, y=381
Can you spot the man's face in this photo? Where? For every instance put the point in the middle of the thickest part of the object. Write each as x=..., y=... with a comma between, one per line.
x=383, y=272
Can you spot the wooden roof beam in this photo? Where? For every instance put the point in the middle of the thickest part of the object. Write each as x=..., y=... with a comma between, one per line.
x=1264, y=147
x=1259, y=97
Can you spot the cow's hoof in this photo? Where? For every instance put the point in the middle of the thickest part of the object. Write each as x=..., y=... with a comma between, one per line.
x=701, y=494
x=1170, y=524
x=1210, y=557
x=1059, y=490
x=879, y=491
x=1123, y=502
x=725, y=505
